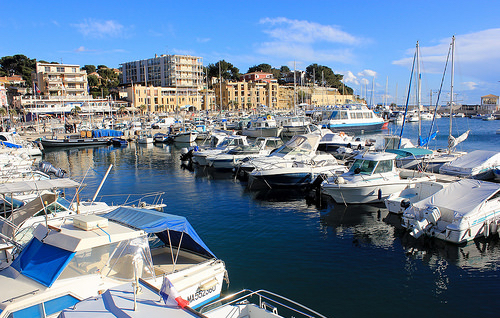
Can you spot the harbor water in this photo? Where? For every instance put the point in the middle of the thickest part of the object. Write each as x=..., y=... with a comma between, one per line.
x=343, y=261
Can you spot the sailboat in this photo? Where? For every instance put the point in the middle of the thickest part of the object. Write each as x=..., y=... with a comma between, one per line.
x=441, y=157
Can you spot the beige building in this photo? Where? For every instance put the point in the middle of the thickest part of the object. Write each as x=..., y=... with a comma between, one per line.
x=181, y=71
x=169, y=99
x=489, y=103
x=60, y=80
x=246, y=95
x=315, y=96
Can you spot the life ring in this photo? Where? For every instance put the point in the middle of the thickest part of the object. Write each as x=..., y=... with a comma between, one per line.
x=341, y=134
x=269, y=117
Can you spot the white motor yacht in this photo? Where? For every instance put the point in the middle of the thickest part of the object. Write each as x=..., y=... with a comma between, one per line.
x=292, y=173
x=261, y=147
x=229, y=142
x=262, y=126
x=299, y=148
x=372, y=178
x=462, y=211
x=76, y=258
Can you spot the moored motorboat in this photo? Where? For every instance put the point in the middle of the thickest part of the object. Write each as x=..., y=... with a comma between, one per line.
x=261, y=147
x=351, y=118
x=372, y=178
x=294, y=173
x=262, y=126
x=75, y=258
x=398, y=202
x=478, y=164
x=462, y=211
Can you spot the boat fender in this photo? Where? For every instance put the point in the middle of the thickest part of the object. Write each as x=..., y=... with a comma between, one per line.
x=380, y=194
x=493, y=228
x=405, y=203
x=486, y=231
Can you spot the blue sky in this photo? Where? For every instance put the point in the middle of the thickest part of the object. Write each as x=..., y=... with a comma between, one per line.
x=370, y=42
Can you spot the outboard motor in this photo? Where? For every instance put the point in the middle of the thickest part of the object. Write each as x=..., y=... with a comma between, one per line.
x=47, y=167
x=431, y=216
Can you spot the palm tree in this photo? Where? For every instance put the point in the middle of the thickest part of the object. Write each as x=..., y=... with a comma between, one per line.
x=76, y=110
x=142, y=108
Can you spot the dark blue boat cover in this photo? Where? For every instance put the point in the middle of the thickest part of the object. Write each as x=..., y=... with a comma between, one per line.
x=96, y=133
x=159, y=223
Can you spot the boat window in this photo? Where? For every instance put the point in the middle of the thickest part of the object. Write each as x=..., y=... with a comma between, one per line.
x=335, y=115
x=343, y=115
x=384, y=166
x=117, y=260
x=52, y=306
x=365, y=166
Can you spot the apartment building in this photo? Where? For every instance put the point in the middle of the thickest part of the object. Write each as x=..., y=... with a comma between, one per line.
x=169, y=99
x=60, y=80
x=182, y=71
x=246, y=95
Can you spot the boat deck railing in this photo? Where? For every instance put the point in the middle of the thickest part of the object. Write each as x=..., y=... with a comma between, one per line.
x=266, y=300
x=143, y=200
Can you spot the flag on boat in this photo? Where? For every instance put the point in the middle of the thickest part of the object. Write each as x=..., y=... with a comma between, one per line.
x=37, y=90
x=170, y=295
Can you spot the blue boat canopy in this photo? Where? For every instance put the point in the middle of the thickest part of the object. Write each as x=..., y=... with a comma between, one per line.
x=409, y=152
x=161, y=224
x=96, y=133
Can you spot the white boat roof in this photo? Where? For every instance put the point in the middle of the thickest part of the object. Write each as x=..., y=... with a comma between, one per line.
x=476, y=158
x=376, y=156
x=119, y=302
x=26, y=186
x=463, y=196
x=74, y=239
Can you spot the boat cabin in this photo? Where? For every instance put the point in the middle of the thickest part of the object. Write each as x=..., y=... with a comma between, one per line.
x=373, y=163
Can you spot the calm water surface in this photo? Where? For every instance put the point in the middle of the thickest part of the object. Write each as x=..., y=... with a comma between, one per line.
x=341, y=261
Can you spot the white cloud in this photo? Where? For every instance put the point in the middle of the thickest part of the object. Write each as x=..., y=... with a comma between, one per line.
x=81, y=49
x=99, y=29
x=350, y=78
x=203, y=40
x=470, y=85
x=477, y=55
x=302, y=31
x=367, y=73
x=306, y=41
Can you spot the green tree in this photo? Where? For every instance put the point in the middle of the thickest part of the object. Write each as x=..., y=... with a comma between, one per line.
x=18, y=64
x=260, y=68
x=324, y=76
x=93, y=81
x=89, y=69
x=227, y=71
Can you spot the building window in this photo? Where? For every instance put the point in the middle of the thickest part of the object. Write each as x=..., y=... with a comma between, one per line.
x=60, y=69
x=47, y=68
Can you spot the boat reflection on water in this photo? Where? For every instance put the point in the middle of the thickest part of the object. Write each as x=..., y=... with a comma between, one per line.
x=480, y=254
x=366, y=224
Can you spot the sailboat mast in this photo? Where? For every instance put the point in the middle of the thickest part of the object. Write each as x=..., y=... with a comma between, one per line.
x=451, y=80
x=418, y=92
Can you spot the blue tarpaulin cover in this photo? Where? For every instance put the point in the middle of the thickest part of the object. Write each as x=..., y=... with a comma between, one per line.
x=96, y=133
x=42, y=262
x=158, y=223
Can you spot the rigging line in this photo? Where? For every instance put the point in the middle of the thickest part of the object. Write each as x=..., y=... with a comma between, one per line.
x=407, y=100
x=439, y=94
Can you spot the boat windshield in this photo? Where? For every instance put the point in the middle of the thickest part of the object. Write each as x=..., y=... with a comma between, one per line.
x=121, y=260
x=362, y=166
x=297, y=145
